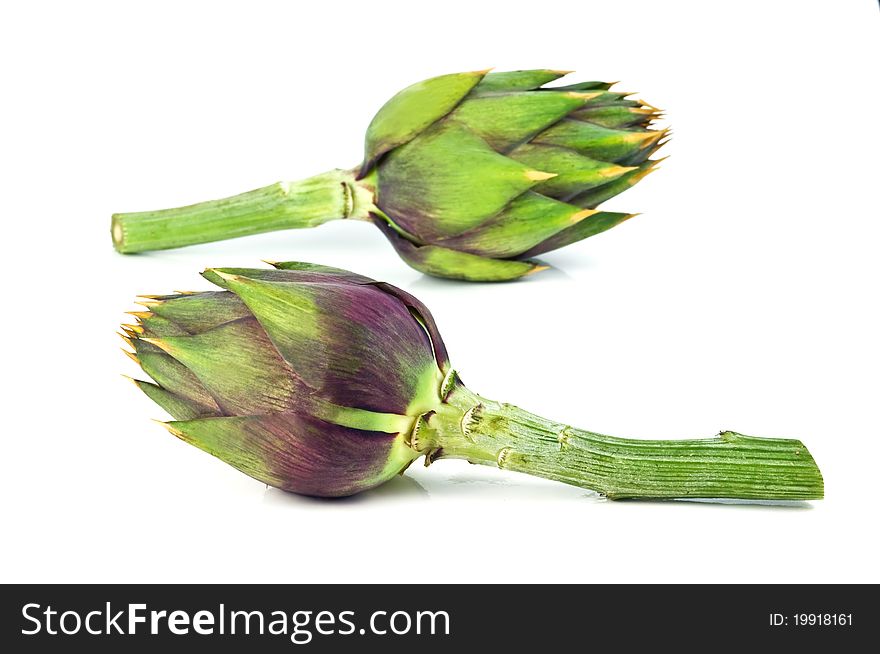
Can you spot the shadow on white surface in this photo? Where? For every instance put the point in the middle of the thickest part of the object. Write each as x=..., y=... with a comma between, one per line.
x=773, y=505
x=776, y=504
x=497, y=488
x=401, y=487
x=457, y=487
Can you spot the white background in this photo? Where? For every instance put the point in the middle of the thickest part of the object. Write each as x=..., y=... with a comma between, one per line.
x=745, y=297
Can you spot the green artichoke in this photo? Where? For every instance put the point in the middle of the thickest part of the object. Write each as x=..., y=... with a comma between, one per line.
x=323, y=382
x=469, y=176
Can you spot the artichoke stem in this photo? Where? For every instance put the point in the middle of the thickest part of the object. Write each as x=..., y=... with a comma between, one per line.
x=284, y=205
x=729, y=466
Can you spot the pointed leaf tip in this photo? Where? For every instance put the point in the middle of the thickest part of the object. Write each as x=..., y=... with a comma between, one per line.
x=227, y=276
x=158, y=342
x=536, y=269
x=538, y=175
x=584, y=95
x=169, y=427
x=580, y=215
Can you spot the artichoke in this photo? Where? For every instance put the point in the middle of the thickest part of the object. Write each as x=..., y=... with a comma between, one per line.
x=469, y=176
x=323, y=382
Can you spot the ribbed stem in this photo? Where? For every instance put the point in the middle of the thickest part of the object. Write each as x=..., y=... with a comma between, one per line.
x=285, y=205
x=728, y=466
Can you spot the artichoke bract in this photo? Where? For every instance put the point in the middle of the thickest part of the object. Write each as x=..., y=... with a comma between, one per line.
x=469, y=176
x=323, y=382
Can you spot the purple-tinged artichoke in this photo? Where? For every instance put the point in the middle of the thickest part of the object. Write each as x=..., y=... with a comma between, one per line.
x=469, y=176
x=307, y=378
x=323, y=382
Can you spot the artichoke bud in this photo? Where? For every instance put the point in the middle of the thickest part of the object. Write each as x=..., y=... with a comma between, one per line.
x=323, y=382
x=304, y=377
x=468, y=175
x=474, y=173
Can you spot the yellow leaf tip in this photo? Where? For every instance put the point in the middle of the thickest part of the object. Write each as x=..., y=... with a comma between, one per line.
x=227, y=276
x=614, y=171
x=583, y=95
x=650, y=137
x=538, y=175
x=158, y=342
x=165, y=424
x=169, y=425
x=580, y=215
